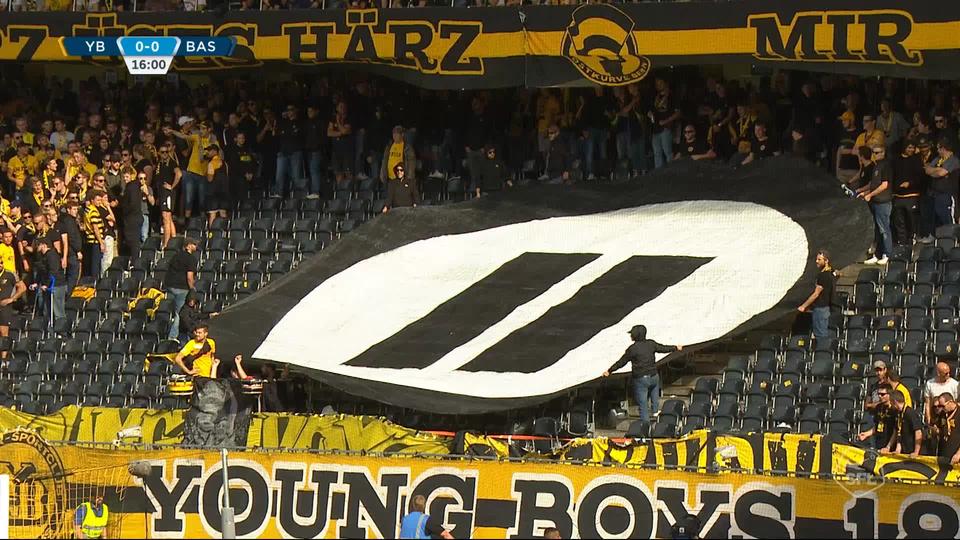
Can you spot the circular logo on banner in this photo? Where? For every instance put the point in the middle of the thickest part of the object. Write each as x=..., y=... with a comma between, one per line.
x=538, y=307
x=38, y=487
x=599, y=41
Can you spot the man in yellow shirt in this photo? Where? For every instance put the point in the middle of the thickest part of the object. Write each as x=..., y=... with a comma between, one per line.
x=22, y=165
x=871, y=136
x=398, y=152
x=76, y=164
x=195, y=177
x=199, y=352
x=8, y=258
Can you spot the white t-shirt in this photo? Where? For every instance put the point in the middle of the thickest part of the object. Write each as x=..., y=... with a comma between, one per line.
x=934, y=388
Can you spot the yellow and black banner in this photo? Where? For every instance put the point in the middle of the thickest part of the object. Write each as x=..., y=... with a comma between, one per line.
x=540, y=45
x=176, y=493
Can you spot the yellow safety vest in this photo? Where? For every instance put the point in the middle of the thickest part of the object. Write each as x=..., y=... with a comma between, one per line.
x=93, y=525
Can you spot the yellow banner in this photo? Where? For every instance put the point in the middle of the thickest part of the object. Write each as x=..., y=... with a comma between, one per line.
x=176, y=494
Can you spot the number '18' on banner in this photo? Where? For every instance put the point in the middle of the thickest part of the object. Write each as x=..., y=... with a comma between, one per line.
x=148, y=55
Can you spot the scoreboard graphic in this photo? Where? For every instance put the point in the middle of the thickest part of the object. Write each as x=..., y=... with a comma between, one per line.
x=148, y=55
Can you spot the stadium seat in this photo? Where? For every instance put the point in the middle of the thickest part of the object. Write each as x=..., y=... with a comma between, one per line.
x=549, y=429
x=663, y=430
x=705, y=389
x=691, y=424
x=754, y=418
x=737, y=368
x=638, y=429
x=811, y=419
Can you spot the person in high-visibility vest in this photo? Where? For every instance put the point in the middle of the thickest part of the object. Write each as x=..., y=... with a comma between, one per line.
x=90, y=519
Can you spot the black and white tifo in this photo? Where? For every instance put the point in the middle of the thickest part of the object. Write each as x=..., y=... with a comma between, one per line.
x=512, y=299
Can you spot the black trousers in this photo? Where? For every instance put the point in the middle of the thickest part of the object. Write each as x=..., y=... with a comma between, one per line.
x=131, y=235
x=905, y=220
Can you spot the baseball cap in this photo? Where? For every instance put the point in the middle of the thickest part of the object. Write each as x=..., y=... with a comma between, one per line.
x=880, y=364
x=184, y=120
x=848, y=116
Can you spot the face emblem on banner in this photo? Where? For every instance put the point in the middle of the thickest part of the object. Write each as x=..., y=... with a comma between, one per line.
x=601, y=44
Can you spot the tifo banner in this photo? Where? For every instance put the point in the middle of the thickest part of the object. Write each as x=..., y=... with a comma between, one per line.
x=176, y=494
x=533, y=292
x=541, y=45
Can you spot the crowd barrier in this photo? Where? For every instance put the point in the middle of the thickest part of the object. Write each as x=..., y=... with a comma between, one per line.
x=290, y=494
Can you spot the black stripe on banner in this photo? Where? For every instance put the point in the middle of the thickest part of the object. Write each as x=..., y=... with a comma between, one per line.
x=596, y=306
x=468, y=314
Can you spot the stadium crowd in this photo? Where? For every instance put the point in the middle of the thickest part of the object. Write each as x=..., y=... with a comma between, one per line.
x=90, y=169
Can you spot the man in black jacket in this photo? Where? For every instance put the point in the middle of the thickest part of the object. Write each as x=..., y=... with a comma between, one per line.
x=401, y=191
x=491, y=173
x=646, y=381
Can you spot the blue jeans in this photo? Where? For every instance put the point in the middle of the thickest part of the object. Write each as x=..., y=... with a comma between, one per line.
x=821, y=320
x=59, y=297
x=288, y=165
x=194, y=189
x=662, y=147
x=646, y=391
x=942, y=209
x=179, y=297
x=145, y=228
x=315, y=171
x=884, y=236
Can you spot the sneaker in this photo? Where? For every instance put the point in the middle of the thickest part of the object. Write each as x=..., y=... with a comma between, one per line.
x=543, y=178
x=313, y=196
x=871, y=260
x=926, y=239
x=591, y=177
x=436, y=174
x=274, y=195
x=882, y=261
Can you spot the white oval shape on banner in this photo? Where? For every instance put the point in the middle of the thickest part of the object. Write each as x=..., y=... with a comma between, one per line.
x=758, y=255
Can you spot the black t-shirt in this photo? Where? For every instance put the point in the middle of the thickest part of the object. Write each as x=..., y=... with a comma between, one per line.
x=949, y=434
x=695, y=148
x=882, y=172
x=763, y=149
x=828, y=281
x=946, y=184
x=8, y=282
x=907, y=425
x=69, y=226
x=885, y=423
x=182, y=263
x=847, y=139
x=908, y=170
x=130, y=203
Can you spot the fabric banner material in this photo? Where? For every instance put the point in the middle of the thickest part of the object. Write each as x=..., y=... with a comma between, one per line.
x=532, y=293
x=176, y=494
x=219, y=414
x=540, y=45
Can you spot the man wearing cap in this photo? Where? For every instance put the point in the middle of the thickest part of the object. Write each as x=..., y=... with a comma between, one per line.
x=884, y=418
x=879, y=195
x=944, y=172
x=646, y=381
x=871, y=136
x=195, y=177
x=908, y=186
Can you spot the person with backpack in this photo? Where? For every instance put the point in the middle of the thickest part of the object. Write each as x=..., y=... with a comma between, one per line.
x=417, y=524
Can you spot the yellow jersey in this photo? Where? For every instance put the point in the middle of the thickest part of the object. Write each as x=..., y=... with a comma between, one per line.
x=8, y=258
x=201, y=354
x=197, y=164
x=19, y=168
x=395, y=158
